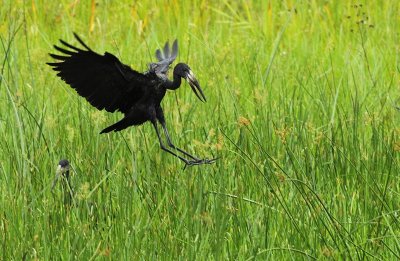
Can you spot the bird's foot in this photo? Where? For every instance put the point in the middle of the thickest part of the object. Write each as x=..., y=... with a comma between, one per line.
x=209, y=161
x=200, y=162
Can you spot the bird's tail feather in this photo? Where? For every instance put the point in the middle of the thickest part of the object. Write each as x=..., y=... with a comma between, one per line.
x=122, y=124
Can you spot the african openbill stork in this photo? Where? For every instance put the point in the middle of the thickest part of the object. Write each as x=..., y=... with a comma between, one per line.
x=108, y=84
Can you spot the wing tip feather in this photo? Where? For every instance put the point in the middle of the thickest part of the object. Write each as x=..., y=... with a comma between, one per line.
x=81, y=42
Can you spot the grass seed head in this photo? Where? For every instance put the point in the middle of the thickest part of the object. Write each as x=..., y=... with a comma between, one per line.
x=243, y=122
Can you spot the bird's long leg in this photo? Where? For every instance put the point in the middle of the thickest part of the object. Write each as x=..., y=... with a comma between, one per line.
x=196, y=161
x=172, y=145
x=187, y=162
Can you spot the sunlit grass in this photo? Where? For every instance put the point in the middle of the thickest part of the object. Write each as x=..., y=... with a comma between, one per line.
x=301, y=112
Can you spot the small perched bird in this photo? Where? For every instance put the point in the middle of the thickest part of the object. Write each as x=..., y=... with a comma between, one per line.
x=62, y=172
x=108, y=84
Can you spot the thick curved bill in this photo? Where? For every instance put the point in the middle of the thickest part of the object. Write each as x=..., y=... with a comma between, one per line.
x=194, y=84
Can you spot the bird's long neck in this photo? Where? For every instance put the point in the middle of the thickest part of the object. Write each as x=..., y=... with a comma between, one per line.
x=175, y=84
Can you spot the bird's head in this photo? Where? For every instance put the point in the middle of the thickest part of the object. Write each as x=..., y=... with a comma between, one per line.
x=183, y=70
x=62, y=170
x=63, y=167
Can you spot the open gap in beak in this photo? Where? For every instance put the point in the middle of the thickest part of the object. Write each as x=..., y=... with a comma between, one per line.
x=194, y=84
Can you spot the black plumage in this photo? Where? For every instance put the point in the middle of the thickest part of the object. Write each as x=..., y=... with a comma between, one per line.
x=108, y=84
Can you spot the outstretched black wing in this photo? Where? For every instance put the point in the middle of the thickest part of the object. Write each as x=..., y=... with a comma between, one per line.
x=165, y=59
x=103, y=80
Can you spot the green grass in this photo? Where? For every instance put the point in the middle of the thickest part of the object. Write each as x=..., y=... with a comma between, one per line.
x=301, y=113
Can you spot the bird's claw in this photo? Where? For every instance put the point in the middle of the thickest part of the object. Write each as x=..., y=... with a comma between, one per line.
x=200, y=162
x=209, y=161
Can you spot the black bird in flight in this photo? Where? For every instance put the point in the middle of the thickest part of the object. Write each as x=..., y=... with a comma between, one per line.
x=108, y=84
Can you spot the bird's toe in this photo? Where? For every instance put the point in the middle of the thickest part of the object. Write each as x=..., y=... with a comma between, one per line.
x=210, y=161
x=199, y=162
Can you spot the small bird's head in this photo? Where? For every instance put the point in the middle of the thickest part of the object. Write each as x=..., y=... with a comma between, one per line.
x=184, y=71
x=63, y=167
x=62, y=170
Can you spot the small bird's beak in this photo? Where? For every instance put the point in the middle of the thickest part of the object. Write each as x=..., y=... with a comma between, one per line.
x=194, y=84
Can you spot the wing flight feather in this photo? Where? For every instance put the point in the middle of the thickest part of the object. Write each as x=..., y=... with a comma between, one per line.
x=103, y=80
